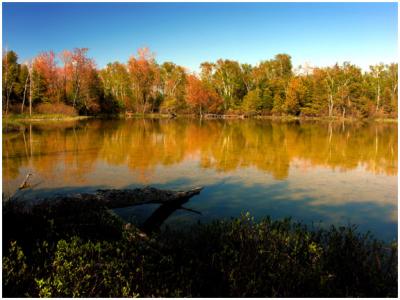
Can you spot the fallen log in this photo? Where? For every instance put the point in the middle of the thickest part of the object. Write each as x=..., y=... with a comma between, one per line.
x=115, y=198
x=124, y=198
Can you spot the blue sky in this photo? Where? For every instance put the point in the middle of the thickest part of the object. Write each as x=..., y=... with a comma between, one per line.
x=191, y=33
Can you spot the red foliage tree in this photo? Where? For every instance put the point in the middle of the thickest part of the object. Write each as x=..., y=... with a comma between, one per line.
x=200, y=96
x=145, y=77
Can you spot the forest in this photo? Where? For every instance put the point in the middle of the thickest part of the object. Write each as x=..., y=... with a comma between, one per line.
x=70, y=83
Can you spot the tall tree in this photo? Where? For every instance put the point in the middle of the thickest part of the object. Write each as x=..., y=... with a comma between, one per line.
x=24, y=81
x=145, y=77
x=201, y=96
x=296, y=93
x=47, y=79
x=377, y=74
x=117, y=84
x=393, y=83
x=228, y=81
x=10, y=76
x=173, y=80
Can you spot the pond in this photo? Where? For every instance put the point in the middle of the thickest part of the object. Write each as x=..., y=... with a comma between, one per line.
x=318, y=172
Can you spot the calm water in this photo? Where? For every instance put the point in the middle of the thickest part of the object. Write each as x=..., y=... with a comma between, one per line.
x=321, y=172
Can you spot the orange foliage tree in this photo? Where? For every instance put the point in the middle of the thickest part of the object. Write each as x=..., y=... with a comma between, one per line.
x=46, y=77
x=145, y=77
x=200, y=96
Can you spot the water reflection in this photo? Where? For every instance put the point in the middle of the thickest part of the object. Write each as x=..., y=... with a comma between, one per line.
x=339, y=171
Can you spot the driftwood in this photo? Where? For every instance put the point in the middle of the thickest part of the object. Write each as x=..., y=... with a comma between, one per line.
x=123, y=198
x=112, y=198
x=25, y=183
x=170, y=202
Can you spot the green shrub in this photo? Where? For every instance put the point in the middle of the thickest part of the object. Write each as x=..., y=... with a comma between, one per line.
x=60, y=257
x=16, y=277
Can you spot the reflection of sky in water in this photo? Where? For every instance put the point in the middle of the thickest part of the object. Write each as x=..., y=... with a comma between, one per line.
x=308, y=191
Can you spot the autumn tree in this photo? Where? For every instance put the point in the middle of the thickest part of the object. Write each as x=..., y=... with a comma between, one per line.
x=392, y=85
x=145, y=78
x=91, y=91
x=349, y=88
x=173, y=81
x=201, y=96
x=80, y=65
x=228, y=81
x=10, y=75
x=66, y=75
x=272, y=78
x=295, y=95
x=252, y=102
x=207, y=72
x=247, y=76
x=117, y=85
x=72, y=79
x=46, y=78
x=80, y=84
x=377, y=72
x=23, y=84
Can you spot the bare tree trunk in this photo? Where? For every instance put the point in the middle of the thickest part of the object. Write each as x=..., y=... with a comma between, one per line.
x=65, y=83
x=30, y=92
x=394, y=98
x=378, y=96
x=23, y=99
x=144, y=102
x=330, y=105
x=77, y=83
x=75, y=95
x=6, y=78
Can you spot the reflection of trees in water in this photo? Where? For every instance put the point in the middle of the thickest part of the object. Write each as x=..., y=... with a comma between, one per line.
x=67, y=151
x=72, y=150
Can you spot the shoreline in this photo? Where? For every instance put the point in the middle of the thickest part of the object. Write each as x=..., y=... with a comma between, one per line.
x=59, y=117
x=43, y=117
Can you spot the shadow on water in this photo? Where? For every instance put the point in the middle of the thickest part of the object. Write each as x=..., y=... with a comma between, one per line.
x=161, y=214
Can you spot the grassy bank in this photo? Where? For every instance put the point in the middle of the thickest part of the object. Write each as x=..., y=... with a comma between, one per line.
x=41, y=117
x=76, y=249
x=16, y=123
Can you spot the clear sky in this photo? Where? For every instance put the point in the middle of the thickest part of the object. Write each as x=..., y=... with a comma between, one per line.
x=191, y=33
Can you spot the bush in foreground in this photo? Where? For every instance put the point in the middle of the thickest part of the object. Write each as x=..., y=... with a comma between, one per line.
x=69, y=257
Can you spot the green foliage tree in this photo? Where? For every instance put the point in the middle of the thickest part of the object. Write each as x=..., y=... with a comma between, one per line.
x=117, y=86
x=252, y=102
x=10, y=75
x=228, y=81
x=173, y=82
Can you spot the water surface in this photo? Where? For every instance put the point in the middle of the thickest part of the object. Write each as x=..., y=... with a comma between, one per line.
x=321, y=172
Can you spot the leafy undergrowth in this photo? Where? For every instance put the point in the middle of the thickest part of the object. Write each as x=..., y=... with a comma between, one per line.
x=77, y=249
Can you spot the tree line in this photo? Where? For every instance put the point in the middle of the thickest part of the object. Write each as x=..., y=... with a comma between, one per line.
x=70, y=82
